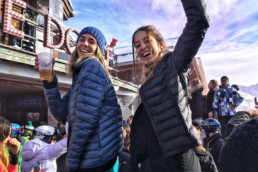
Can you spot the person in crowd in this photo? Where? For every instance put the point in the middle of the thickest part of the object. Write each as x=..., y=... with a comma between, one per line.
x=124, y=122
x=8, y=163
x=162, y=130
x=197, y=102
x=213, y=87
x=43, y=150
x=238, y=118
x=126, y=136
x=198, y=127
x=235, y=86
x=124, y=156
x=240, y=150
x=16, y=134
x=213, y=141
x=226, y=99
x=90, y=105
x=206, y=160
x=129, y=120
x=59, y=135
x=241, y=107
x=28, y=131
x=109, y=50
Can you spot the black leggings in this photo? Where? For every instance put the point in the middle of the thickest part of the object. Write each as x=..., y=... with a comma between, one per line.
x=223, y=122
x=183, y=162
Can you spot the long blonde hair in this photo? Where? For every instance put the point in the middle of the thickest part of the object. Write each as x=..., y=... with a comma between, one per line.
x=201, y=148
x=127, y=129
x=4, y=159
x=75, y=60
x=5, y=128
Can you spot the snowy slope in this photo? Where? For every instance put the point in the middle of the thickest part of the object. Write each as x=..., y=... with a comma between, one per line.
x=248, y=102
x=252, y=90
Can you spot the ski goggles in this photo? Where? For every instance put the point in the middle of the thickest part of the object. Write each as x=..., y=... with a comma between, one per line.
x=18, y=130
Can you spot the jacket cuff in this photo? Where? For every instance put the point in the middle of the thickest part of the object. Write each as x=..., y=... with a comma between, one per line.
x=14, y=158
x=52, y=84
x=248, y=114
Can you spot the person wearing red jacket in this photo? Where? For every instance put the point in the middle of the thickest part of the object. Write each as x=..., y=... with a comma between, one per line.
x=8, y=164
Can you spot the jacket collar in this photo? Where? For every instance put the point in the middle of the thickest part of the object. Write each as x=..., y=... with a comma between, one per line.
x=78, y=65
x=227, y=86
x=197, y=87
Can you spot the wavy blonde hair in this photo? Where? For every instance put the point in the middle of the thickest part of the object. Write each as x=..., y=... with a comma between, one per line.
x=201, y=148
x=75, y=60
x=5, y=128
x=127, y=129
x=4, y=159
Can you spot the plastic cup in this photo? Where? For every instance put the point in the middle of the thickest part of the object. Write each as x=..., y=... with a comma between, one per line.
x=45, y=65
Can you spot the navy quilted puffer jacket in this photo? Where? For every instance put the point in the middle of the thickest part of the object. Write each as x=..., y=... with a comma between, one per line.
x=94, y=115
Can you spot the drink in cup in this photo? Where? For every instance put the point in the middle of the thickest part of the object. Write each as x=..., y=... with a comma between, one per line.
x=45, y=65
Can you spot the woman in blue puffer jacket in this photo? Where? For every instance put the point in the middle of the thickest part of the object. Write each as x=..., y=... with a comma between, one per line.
x=90, y=105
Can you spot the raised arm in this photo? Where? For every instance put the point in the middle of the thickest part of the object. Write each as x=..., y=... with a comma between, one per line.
x=57, y=105
x=193, y=34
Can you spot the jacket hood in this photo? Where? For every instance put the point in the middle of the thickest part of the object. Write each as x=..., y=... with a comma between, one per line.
x=215, y=88
x=31, y=149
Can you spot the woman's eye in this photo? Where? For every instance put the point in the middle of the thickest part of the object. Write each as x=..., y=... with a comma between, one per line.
x=92, y=42
x=146, y=41
x=137, y=45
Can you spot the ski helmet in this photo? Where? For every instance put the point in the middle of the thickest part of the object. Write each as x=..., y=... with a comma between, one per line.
x=211, y=125
x=16, y=129
x=44, y=133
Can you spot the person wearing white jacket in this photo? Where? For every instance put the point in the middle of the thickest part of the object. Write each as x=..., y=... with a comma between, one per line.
x=41, y=150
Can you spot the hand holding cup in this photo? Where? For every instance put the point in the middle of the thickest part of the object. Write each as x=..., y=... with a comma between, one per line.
x=44, y=63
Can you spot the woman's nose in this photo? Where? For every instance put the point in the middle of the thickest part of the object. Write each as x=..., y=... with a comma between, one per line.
x=85, y=43
x=143, y=46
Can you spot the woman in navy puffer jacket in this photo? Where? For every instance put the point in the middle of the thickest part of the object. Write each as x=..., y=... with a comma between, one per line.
x=90, y=105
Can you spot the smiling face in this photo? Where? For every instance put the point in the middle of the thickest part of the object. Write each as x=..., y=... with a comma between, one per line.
x=147, y=48
x=86, y=44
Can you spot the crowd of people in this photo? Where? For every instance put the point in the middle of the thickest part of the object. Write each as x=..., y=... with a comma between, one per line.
x=25, y=148
x=173, y=129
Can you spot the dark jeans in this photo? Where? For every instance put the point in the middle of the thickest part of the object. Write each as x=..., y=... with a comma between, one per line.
x=223, y=122
x=187, y=162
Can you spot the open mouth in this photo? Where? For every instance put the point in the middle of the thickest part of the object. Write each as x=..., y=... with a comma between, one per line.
x=84, y=51
x=146, y=54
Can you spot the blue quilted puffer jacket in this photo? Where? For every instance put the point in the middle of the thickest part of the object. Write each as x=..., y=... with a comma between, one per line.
x=94, y=116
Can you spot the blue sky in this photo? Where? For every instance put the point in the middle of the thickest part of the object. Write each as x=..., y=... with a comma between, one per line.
x=230, y=47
